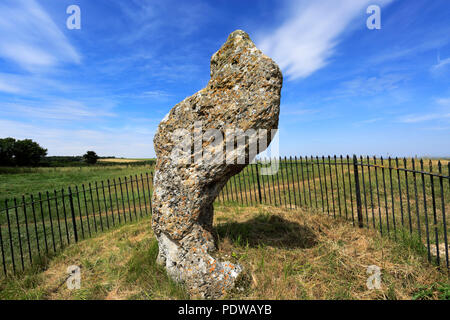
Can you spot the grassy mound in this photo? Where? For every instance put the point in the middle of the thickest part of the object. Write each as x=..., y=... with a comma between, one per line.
x=286, y=254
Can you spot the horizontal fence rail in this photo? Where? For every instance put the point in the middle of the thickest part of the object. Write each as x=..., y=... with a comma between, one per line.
x=36, y=226
x=399, y=197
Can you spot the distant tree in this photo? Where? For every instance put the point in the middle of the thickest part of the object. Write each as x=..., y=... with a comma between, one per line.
x=20, y=152
x=28, y=153
x=7, y=151
x=91, y=157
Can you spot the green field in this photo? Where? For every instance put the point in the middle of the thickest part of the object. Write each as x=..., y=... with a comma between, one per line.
x=397, y=202
x=26, y=181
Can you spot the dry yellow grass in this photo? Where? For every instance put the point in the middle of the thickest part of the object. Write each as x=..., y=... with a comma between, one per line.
x=287, y=254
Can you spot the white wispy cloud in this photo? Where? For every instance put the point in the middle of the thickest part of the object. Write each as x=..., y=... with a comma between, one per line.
x=30, y=38
x=368, y=121
x=307, y=39
x=415, y=118
x=440, y=111
x=363, y=85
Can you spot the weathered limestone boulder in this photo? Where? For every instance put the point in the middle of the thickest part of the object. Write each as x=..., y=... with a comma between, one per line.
x=243, y=93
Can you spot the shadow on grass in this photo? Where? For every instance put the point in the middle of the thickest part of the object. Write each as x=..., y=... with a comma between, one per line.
x=270, y=230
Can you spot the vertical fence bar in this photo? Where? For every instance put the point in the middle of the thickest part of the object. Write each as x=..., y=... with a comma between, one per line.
x=128, y=199
x=72, y=211
x=236, y=191
x=249, y=175
x=143, y=195
x=87, y=210
x=287, y=183
x=19, y=233
x=111, y=202
x=363, y=179
x=93, y=207
x=230, y=182
x=79, y=211
x=326, y=185
x=293, y=183
x=43, y=222
x=385, y=195
x=57, y=218
x=441, y=184
x=278, y=182
x=26, y=228
x=307, y=177
x=3, y=252
x=245, y=187
x=337, y=184
x=435, y=224
x=371, y=192
x=350, y=188
x=149, y=193
x=303, y=179
x=227, y=192
x=123, y=200
x=254, y=184
x=343, y=187
x=33, y=210
x=417, y=201
x=263, y=187
x=65, y=215
x=134, y=200
x=314, y=181
x=407, y=197
x=105, y=204
x=51, y=221
x=259, y=183
x=392, y=198
x=11, y=244
x=270, y=189
x=320, y=183
x=99, y=205
x=425, y=210
x=273, y=187
x=378, y=195
x=400, y=194
x=358, y=192
x=332, y=187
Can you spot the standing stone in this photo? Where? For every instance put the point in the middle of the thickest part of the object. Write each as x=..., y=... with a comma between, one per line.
x=243, y=93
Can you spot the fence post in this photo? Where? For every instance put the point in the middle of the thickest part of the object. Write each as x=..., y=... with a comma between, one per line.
x=72, y=211
x=259, y=184
x=358, y=192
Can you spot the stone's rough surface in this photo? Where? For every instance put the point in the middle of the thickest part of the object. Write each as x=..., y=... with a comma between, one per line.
x=243, y=92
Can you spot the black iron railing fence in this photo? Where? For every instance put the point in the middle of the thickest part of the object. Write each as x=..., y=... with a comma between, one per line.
x=402, y=198
x=399, y=197
x=34, y=227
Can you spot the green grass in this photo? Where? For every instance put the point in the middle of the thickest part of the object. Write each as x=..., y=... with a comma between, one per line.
x=43, y=228
x=297, y=184
x=118, y=264
x=388, y=198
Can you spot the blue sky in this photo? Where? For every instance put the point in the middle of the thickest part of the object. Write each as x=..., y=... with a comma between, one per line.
x=347, y=89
